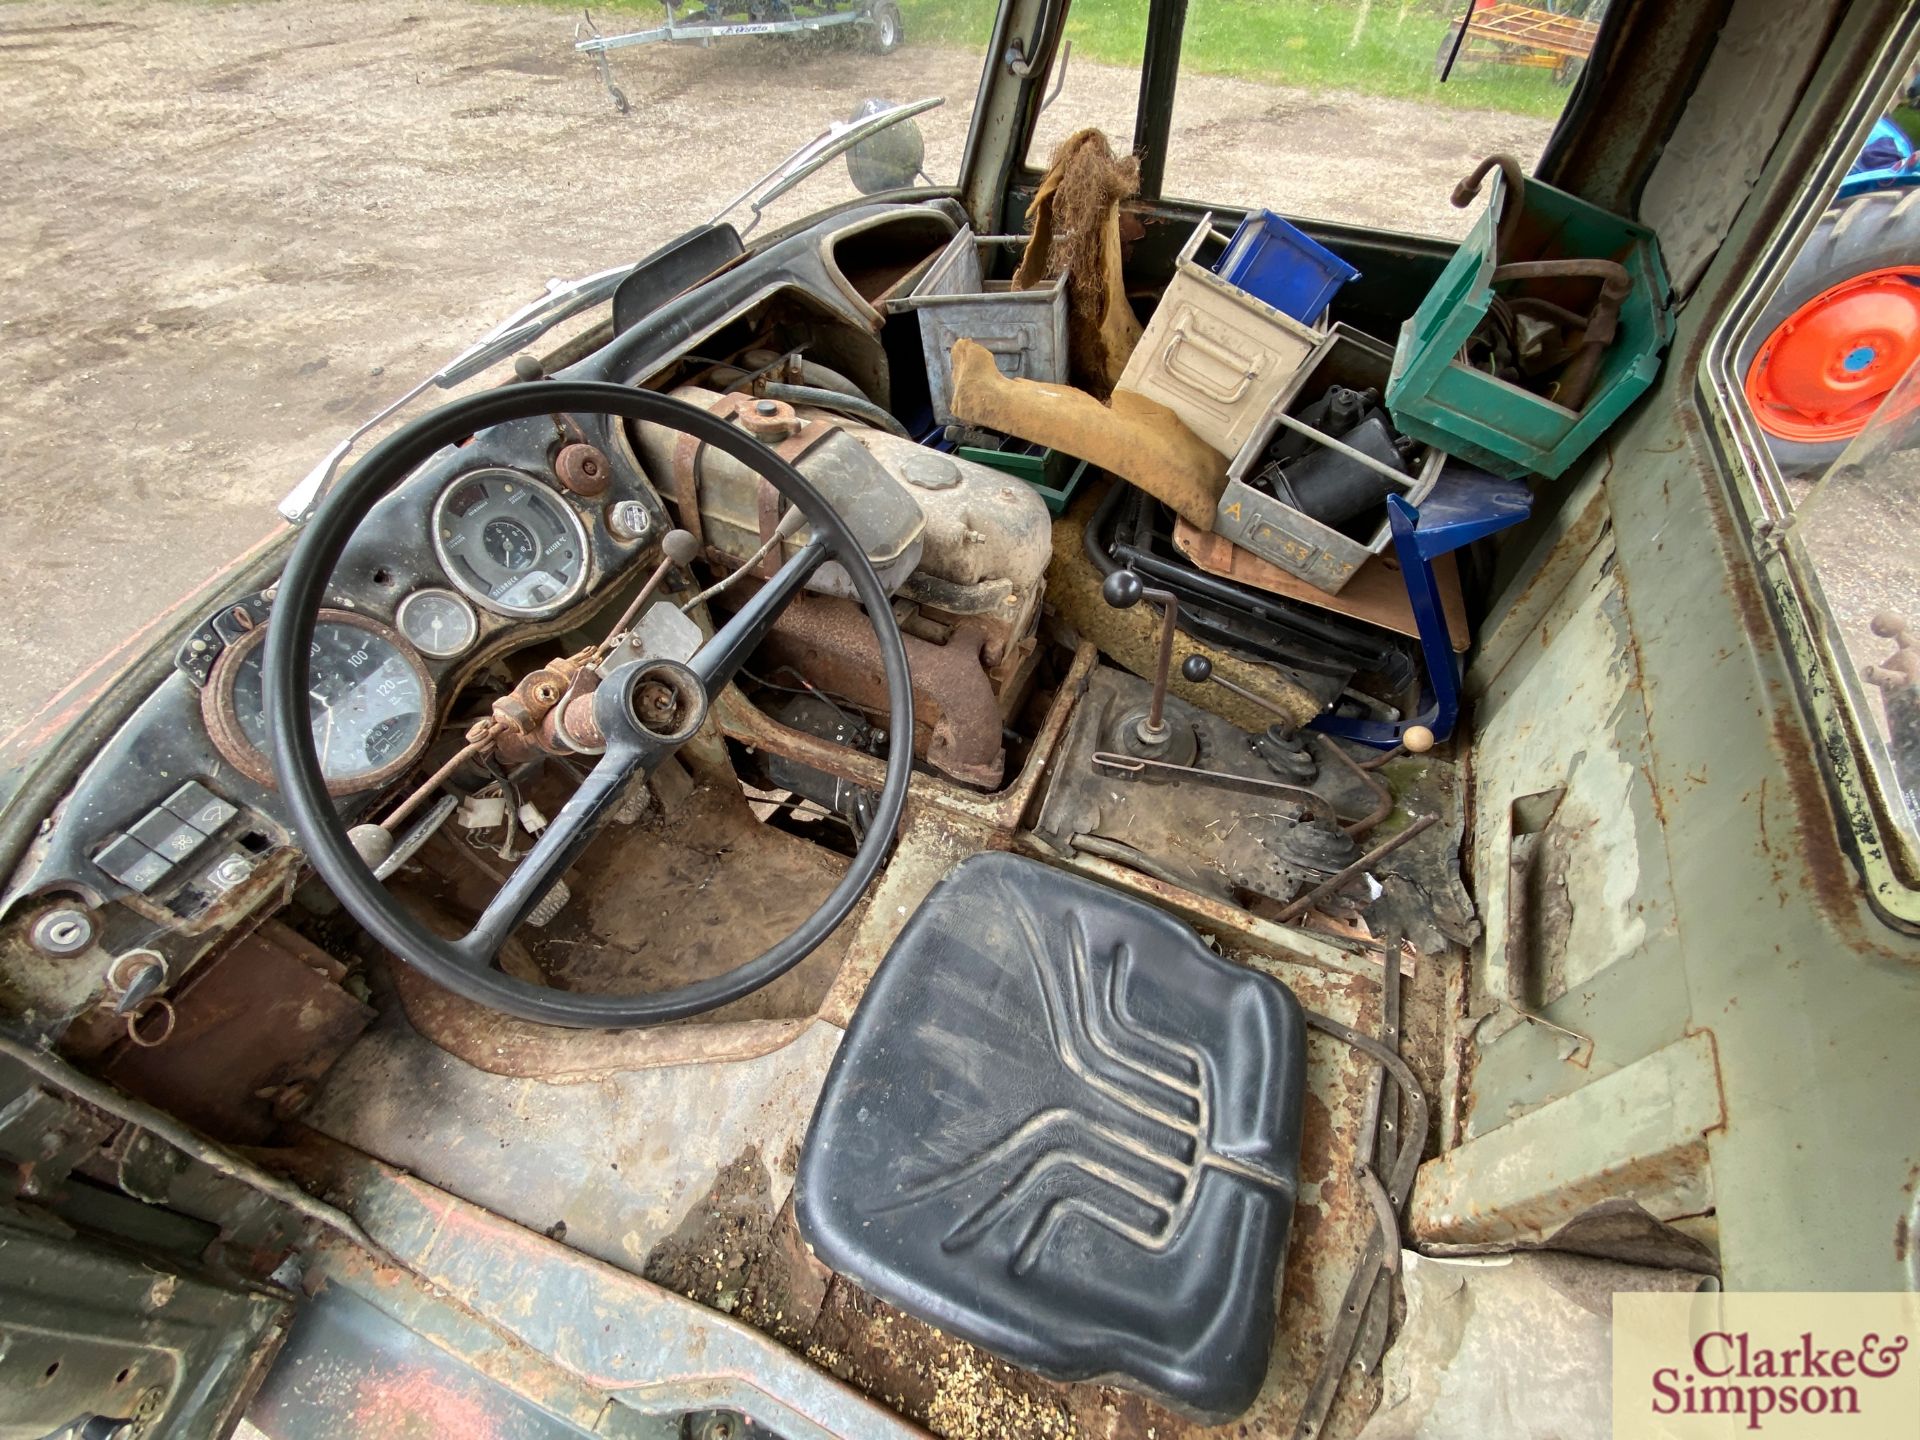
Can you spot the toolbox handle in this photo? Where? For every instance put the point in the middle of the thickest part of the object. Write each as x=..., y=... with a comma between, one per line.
x=1218, y=363
x=1009, y=350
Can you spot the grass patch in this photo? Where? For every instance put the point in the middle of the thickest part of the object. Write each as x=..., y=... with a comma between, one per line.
x=1310, y=44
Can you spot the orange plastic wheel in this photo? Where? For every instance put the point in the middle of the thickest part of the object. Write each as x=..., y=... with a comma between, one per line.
x=1825, y=368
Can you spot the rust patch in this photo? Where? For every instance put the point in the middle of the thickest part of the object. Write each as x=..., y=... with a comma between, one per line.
x=419, y=1403
x=1834, y=883
x=1903, y=1227
x=739, y=719
x=1316, y=1142
x=256, y=1028
x=1742, y=585
x=957, y=721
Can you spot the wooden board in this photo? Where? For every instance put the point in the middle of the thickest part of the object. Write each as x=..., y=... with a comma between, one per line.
x=1375, y=594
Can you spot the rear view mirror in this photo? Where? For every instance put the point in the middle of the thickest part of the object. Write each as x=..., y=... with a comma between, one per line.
x=890, y=159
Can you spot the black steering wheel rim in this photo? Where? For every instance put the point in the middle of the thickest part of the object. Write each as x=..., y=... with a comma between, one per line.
x=302, y=591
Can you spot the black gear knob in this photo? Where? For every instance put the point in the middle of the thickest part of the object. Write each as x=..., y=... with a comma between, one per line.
x=1196, y=669
x=1122, y=589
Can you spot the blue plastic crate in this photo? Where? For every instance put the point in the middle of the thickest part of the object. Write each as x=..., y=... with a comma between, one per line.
x=1274, y=262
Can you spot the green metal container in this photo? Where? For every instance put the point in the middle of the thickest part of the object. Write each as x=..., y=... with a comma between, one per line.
x=1054, y=474
x=1490, y=422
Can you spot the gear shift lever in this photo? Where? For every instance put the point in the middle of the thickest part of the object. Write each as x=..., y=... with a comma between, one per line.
x=1148, y=733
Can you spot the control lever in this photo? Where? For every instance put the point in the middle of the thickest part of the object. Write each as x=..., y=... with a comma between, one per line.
x=1134, y=767
x=1147, y=733
x=1198, y=669
x=374, y=843
x=677, y=547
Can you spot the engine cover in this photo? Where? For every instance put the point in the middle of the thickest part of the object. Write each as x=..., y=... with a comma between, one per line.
x=963, y=541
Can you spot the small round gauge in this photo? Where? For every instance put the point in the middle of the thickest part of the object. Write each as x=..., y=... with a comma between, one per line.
x=438, y=622
x=510, y=543
x=372, y=702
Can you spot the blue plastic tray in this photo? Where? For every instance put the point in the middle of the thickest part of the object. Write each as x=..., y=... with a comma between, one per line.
x=1291, y=271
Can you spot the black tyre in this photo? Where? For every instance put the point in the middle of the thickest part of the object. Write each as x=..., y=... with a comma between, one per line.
x=1839, y=332
x=1445, y=52
x=886, y=32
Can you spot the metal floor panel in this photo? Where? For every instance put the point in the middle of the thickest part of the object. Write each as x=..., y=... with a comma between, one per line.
x=350, y=1369
x=613, y=1163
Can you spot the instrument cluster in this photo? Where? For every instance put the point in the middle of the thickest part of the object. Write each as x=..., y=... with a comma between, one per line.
x=482, y=550
x=467, y=552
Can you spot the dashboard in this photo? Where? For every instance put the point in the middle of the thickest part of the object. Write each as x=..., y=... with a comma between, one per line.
x=173, y=833
x=483, y=550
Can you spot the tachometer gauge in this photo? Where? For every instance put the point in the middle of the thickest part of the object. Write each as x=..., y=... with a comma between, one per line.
x=371, y=703
x=438, y=622
x=510, y=543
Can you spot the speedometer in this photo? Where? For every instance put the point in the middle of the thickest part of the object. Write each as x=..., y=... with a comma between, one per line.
x=510, y=543
x=370, y=701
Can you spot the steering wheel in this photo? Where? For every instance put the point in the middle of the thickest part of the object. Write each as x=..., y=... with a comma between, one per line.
x=645, y=708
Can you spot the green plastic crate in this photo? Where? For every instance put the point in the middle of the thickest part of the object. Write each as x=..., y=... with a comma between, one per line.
x=1054, y=474
x=1490, y=422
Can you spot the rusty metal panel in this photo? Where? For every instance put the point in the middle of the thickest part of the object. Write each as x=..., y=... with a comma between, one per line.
x=256, y=1027
x=349, y=1370
x=1570, y=851
x=1809, y=995
x=1639, y=1132
x=96, y=1330
x=653, y=1350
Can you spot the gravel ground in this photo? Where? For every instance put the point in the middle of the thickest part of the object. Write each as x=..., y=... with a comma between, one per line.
x=230, y=232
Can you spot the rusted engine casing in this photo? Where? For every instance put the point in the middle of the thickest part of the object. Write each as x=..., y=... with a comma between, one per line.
x=956, y=711
x=965, y=543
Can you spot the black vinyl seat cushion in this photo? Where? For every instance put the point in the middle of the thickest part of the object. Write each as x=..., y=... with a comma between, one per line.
x=1063, y=1129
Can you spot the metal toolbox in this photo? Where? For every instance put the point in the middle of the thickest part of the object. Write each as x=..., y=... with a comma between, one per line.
x=1213, y=354
x=1025, y=330
x=1274, y=530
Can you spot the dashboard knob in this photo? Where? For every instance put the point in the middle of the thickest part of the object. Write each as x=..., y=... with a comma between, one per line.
x=372, y=843
x=1122, y=589
x=679, y=546
x=583, y=469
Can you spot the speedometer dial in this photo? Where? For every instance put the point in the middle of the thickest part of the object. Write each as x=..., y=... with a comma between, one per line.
x=370, y=701
x=510, y=543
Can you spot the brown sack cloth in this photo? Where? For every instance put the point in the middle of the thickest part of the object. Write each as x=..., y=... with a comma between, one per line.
x=1135, y=438
x=1076, y=228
